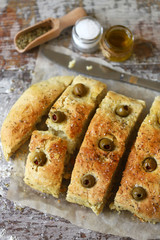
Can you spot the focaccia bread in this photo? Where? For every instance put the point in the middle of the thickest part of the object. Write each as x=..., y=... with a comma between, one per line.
x=45, y=162
x=102, y=149
x=140, y=185
x=76, y=106
x=28, y=110
x=69, y=125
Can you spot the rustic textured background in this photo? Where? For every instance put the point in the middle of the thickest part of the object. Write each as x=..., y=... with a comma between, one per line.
x=141, y=16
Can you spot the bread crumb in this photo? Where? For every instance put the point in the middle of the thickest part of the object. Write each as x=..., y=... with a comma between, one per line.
x=12, y=89
x=112, y=206
x=19, y=208
x=72, y=63
x=89, y=67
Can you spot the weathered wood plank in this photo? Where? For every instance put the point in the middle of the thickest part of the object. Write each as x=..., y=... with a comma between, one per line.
x=141, y=16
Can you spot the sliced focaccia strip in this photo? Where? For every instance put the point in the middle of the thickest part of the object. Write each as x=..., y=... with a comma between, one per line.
x=140, y=186
x=45, y=162
x=28, y=110
x=71, y=113
x=102, y=149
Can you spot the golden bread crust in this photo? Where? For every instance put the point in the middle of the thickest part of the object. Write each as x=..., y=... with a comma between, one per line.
x=78, y=110
x=46, y=178
x=93, y=160
x=147, y=145
x=28, y=110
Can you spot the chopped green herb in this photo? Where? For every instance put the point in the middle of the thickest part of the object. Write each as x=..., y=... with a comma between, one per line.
x=24, y=39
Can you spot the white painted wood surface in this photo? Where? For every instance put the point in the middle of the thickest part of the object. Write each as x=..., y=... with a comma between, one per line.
x=141, y=16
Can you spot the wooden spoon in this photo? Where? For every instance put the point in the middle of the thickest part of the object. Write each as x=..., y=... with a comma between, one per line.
x=56, y=25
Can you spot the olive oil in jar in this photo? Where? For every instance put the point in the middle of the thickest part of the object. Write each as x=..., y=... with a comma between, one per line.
x=117, y=43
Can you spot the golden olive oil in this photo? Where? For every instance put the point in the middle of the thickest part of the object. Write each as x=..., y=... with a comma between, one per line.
x=117, y=43
x=118, y=39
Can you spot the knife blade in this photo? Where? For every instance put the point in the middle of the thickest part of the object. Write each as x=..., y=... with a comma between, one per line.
x=98, y=70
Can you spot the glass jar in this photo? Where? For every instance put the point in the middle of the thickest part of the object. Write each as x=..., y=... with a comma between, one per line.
x=117, y=43
x=86, y=34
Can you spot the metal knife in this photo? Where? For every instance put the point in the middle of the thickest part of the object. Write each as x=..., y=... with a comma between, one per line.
x=98, y=70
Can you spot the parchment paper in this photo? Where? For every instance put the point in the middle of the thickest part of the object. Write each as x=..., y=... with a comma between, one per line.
x=109, y=222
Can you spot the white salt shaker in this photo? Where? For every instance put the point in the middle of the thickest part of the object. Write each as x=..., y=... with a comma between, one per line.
x=86, y=34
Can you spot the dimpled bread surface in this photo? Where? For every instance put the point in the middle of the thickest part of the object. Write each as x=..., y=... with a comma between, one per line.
x=64, y=137
x=147, y=145
x=94, y=161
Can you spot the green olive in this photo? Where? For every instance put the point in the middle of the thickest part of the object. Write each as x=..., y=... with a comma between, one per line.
x=88, y=181
x=149, y=164
x=106, y=144
x=79, y=90
x=139, y=193
x=123, y=110
x=40, y=159
x=58, y=117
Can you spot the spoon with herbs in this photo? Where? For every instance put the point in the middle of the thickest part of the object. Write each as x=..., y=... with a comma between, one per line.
x=46, y=30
